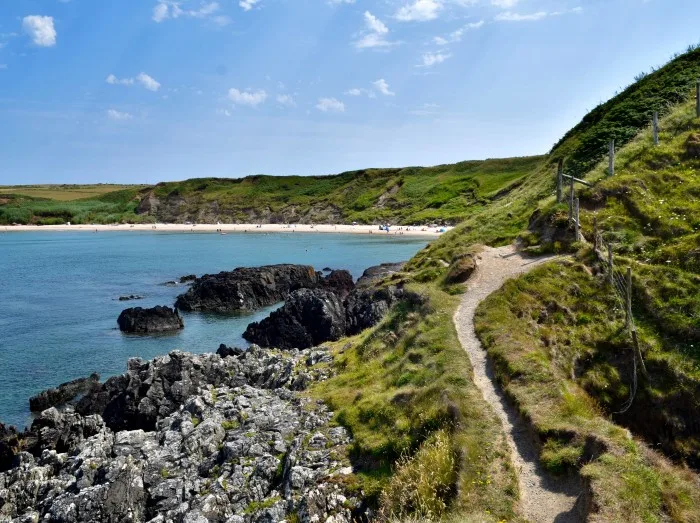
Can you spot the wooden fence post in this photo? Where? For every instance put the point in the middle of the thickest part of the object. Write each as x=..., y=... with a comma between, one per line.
x=578, y=224
x=628, y=299
x=571, y=200
x=560, y=180
x=655, y=125
x=611, y=161
x=610, y=265
x=697, y=99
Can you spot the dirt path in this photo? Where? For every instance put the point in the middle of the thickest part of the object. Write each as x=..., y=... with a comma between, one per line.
x=544, y=498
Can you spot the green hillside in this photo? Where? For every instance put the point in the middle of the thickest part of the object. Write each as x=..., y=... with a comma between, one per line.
x=556, y=335
x=413, y=195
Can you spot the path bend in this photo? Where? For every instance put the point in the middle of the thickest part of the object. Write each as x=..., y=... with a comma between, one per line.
x=543, y=497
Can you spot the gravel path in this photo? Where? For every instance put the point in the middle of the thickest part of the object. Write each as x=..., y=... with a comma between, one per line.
x=544, y=498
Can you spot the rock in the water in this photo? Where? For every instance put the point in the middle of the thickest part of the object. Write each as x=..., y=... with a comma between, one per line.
x=372, y=274
x=130, y=297
x=230, y=440
x=149, y=321
x=309, y=317
x=188, y=278
x=246, y=288
x=64, y=393
x=461, y=269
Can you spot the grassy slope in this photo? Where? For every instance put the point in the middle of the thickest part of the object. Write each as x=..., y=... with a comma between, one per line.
x=557, y=334
x=444, y=193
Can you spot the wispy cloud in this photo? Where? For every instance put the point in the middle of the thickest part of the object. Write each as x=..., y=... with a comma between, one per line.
x=286, y=99
x=247, y=97
x=374, y=35
x=146, y=81
x=509, y=16
x=119, y=116
x=330, y=105
x=456, y=36
x=40, y=29
x=166, y=9
x=431, y=59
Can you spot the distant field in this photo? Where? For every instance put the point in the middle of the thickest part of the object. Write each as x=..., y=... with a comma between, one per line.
x=64, y=193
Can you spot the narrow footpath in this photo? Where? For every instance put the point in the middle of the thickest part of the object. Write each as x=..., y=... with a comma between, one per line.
x=544, y=498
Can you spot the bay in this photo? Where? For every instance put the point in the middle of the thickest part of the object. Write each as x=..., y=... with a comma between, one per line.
x=59, y=304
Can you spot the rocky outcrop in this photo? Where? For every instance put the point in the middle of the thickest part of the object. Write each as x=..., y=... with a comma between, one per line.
x=64, y=393
x=246, y=289
x=309, y=317
x=228, y=440
x=372, y=274
x=313, y=316
x=130, y=297
x=187, y=279
x=339, y=282
x=461, y=269
x=149, y=321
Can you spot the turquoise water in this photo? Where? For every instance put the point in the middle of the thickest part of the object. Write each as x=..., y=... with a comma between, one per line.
x=59, y=307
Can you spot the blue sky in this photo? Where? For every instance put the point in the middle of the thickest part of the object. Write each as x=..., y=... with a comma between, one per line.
x=153, y=90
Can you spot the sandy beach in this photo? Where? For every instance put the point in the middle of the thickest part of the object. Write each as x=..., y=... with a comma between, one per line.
x=397, y=230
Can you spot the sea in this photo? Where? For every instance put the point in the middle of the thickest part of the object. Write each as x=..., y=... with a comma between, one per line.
x=60, y=296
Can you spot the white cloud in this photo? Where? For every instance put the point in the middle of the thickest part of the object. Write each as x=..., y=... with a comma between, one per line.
x=148, y=82
x=338, y=2
x=509, y=16
x=383, y=87
x=247, y=5
x=223, y=112
x=145, y=80
x=330, y=105
x=419, y=11
x=355, y=92
x=286, y=99
x=504, y=4
x=431, y=59
x=119, y=116
x=374, y=24
x=160, y=12
x=165, y=9
x=251, y=98
x=374, y=35
x=40, y=29
x=456, y=36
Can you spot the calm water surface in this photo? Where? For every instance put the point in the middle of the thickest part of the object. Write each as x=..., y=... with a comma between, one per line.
x=59, y=305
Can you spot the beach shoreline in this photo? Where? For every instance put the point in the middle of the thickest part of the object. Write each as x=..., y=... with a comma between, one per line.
x=398, y=230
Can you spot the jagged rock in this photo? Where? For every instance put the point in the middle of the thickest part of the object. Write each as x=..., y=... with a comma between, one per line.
x=461, y=269
x=225, y=351
x=229, y=442
x=188, y=278
x=366, y=307
x=372, y=274
x=63, y=393
x=309, y=317
x=148, y=321
x=339, y=282
x=246, y=288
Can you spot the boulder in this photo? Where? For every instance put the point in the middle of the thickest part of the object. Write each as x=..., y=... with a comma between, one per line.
x=309, y=317
x=188, y=278
x=63, y=394
x=377, y=272
x=246, y=289
x=692, y=145
x=130, y=297
x=149, y=321
x=461, y=269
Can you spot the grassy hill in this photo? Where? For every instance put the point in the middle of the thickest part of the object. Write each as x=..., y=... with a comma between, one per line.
x=413, y=195
x=428, y=445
